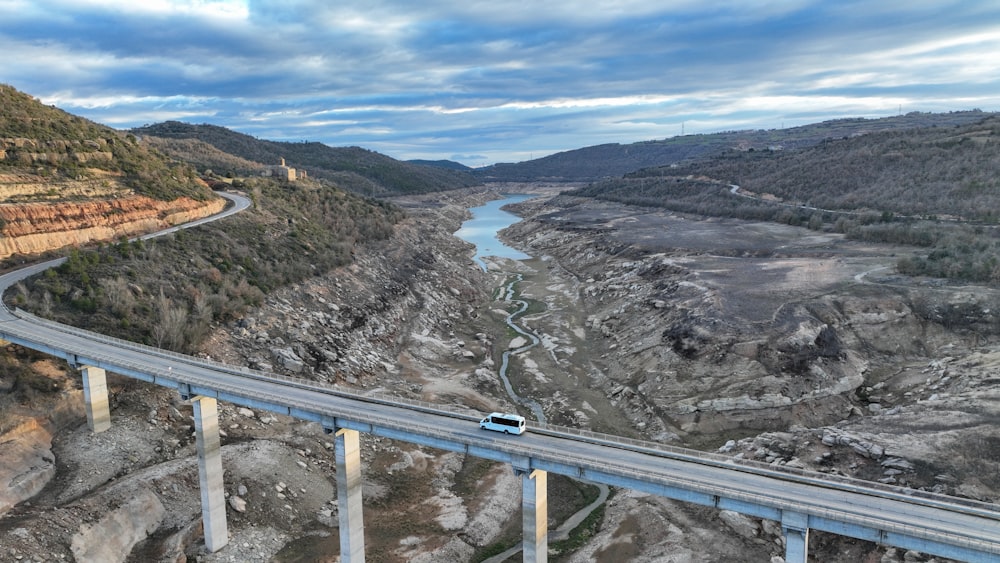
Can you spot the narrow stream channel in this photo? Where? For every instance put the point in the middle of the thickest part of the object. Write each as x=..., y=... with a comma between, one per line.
x=481, y=231
x=487, y=220
x=505, y=359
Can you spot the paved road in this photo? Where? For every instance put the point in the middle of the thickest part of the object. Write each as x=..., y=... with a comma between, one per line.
x=851, y=508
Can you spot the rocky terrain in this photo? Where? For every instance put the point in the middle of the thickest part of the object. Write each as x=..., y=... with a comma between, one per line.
x=761, y=341
x=765, y=342
x=35, y=228
x=348, y=328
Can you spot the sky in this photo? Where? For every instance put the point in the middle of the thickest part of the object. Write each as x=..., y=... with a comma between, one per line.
x=480, y=82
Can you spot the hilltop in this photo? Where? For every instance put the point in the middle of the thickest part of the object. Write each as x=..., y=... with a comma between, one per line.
x=40, y=144
x=613, y=160
x=449, y=164
x=351, y=168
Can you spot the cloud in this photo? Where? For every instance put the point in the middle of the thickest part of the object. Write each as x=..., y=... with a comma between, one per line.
x=498, y=80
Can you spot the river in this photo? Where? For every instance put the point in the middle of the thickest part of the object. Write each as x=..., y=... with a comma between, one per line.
x=487, y=220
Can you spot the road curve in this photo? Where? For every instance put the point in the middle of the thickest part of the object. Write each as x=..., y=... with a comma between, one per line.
x=934, y=524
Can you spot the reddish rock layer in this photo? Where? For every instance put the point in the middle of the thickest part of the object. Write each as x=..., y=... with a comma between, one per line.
x=38, y=227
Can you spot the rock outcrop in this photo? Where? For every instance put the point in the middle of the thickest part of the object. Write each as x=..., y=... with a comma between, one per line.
x=111, y=538
x=707, y=327
x=27, y=463
x=32, y=151
x=39, y=227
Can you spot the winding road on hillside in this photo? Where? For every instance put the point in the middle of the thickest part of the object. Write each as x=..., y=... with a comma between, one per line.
x=240, y=203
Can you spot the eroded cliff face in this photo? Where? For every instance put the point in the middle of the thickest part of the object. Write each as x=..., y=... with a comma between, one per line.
x=33, y=228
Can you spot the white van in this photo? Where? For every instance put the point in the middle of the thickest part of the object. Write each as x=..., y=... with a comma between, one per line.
x=503, y=422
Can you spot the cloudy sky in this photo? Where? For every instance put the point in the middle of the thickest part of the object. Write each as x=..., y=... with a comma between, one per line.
x=483, y=81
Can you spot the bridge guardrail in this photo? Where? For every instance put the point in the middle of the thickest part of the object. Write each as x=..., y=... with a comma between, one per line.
x=657, y=448
x=675, y=480
x=517, y=448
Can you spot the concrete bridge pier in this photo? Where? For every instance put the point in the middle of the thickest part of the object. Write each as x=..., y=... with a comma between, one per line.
x=796, y=529
x=535, y=515
x=213, y=497
x=95, y=398
x=347, y=450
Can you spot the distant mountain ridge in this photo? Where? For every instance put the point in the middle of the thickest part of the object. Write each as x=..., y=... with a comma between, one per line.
x=449, y=164
x=614, y=160
x=353, y=168
x=370, y=173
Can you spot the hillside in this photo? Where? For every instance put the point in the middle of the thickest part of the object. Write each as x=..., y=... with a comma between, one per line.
x=67, y=181
x=206, y=157
x=43, y=145
x=943, y=171
x=449, y=164
x=934, y=187
x=613, y=160
x=200, y=276
x=352, y=168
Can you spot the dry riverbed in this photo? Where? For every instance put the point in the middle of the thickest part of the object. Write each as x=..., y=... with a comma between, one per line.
x=762, y=341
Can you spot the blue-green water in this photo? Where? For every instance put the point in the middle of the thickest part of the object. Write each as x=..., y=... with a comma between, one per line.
x=482, y=229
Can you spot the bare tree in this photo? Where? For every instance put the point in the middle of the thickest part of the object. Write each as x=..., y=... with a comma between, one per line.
x=46, y=307
x=169, y=331
x=119, y=295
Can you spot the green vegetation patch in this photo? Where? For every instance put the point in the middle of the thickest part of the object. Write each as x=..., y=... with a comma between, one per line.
x=51, y=143
x=167, y=292
x=352, y=168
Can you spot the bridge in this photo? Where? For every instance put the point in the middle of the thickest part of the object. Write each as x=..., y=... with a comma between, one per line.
x=801, y=501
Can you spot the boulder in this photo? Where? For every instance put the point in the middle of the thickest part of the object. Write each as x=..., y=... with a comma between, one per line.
x=237, y=503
